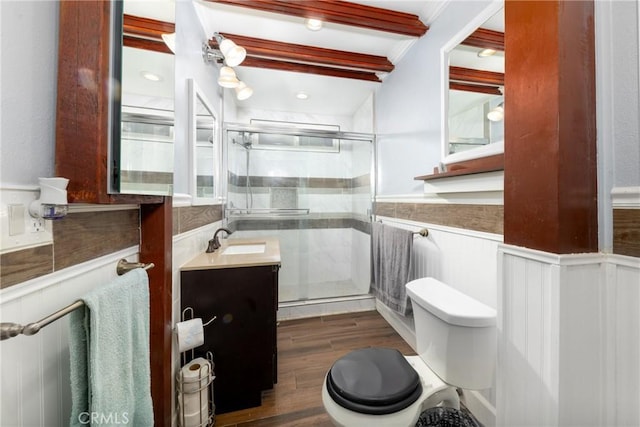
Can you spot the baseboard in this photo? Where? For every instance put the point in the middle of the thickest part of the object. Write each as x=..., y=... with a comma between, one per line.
x=325, y=307
x=480, y=407
x=402, y=325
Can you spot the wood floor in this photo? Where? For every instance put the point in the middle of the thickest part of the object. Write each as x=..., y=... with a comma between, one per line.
x=306, y=350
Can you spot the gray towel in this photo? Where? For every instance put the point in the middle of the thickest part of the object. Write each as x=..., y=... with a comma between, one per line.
x=391, y=263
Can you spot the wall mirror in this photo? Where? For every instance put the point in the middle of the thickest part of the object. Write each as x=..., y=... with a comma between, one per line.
x=206, y=148
x=143, y=144
x=474, y=100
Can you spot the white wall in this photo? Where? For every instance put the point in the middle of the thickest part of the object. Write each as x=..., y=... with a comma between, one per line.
x=189, y=65
x=408, y=105
x=29, y=46
x=624, y=55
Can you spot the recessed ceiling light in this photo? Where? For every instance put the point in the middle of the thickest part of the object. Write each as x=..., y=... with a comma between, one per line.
x=302, y=95
x=313, y=24
x=486, y=52
x=150, y=76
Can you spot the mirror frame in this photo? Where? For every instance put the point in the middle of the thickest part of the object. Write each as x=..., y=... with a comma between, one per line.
x=459, y=37
x=195, y=95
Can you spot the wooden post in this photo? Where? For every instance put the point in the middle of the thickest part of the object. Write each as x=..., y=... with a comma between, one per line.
x=550, y=195
x=155, y=246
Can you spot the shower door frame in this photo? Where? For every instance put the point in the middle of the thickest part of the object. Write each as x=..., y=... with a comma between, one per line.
x=356, y=136
x=240, y=127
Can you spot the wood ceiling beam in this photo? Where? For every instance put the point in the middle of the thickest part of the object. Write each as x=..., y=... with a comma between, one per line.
x=296, y=53
x=146, y=44
x=485, y=39
x=340, y=12
x=145, y=27
x=468, y=75
x=309, y=69
x=468, y=87
x=145, y=33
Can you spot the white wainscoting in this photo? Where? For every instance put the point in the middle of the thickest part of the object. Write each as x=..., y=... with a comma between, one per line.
x=569, y=340
x=35, y=387
x=465, y=260
x=185, y=247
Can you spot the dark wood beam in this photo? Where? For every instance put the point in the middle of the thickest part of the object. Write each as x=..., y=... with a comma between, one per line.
x=146, y=44
x=145, y=33
x=290, y=52
x=469, y=75
x=145, y=27
x=309, y=69
x=491, y=90
x=486, y=39
x=340, y=12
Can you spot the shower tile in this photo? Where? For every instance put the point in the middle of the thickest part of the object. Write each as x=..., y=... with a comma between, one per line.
x=284, y=198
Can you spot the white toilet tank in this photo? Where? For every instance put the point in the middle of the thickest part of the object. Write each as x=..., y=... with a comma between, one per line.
x=455, y=334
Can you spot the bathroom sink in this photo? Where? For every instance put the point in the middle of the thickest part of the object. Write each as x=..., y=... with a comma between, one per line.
x=245, y=249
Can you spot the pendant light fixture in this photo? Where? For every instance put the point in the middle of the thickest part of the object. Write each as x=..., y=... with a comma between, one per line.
x=229, y=55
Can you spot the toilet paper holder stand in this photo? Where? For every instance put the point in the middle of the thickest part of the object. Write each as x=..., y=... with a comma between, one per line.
x=189, y=310
x=210, y=420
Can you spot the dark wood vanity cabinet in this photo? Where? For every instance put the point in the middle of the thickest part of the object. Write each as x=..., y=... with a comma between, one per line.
x=242, y=339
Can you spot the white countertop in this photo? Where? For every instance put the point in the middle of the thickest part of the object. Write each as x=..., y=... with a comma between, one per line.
x=218, y=259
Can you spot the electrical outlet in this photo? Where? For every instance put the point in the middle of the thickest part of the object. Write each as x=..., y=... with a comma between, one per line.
x=37, y=225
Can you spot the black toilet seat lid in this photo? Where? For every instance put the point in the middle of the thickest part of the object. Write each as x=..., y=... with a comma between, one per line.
x=374, y=381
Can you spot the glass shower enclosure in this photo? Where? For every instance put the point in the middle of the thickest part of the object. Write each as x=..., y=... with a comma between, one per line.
x=313, y=190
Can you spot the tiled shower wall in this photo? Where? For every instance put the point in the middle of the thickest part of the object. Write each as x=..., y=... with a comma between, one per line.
x=325, y=252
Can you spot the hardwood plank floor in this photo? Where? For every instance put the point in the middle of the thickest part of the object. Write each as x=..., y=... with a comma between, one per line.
x=306, y=350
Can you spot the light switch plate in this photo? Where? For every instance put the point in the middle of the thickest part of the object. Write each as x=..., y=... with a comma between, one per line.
x=16, y=219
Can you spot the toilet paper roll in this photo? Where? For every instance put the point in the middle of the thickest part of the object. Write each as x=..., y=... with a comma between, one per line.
x=194, y=395
x=190, y=334
x=195, y=420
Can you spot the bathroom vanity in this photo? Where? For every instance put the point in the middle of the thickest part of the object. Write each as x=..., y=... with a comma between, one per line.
x=238, y=283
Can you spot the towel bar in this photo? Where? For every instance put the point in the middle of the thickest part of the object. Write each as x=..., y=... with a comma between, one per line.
x=10, y=330
x=424, y=232
x=125, y=266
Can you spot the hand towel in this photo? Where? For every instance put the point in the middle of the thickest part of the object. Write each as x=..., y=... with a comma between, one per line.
x=391, y=249
x=109, y=352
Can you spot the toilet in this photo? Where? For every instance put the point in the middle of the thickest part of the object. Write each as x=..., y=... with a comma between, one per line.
x=456, y=346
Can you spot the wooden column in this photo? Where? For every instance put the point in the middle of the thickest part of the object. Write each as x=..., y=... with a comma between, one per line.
x=156, y=246
x=550, y=197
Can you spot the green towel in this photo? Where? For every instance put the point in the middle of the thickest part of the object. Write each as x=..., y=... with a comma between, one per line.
x=109, y=352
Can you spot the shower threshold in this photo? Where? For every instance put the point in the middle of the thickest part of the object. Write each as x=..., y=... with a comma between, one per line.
x=325, y=306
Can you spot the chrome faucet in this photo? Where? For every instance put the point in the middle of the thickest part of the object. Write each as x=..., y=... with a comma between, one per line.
x=215, y=242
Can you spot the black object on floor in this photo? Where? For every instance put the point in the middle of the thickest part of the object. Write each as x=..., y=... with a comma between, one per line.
x=445, y=417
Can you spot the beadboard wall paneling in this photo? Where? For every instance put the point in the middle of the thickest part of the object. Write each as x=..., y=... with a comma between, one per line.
x=189, y=218
x=35, y=385
x=80, y=237
x=564, y=318
x=20, y=266
x=487, y=218
x=626, y=232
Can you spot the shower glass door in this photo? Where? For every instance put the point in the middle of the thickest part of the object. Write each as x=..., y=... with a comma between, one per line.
x=313, y=191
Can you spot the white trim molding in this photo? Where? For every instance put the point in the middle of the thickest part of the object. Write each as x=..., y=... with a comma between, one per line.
x=625, y=197
x=477, y=184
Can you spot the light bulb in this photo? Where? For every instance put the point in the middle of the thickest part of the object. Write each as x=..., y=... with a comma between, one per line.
x=313, y=24
x=243, y=91
x=496, y=114
x=228, y=77
x=233, y=54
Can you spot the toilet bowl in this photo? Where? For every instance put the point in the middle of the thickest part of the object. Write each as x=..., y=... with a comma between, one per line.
x=456, y=344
